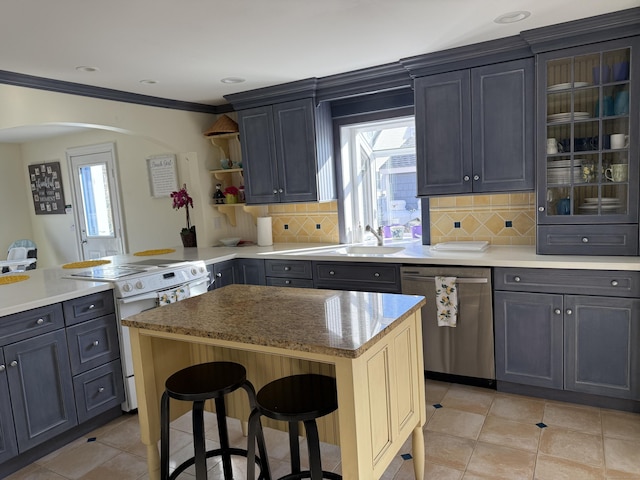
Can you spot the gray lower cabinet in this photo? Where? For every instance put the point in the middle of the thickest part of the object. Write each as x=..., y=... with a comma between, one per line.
x=587, y=343
x=476, y=129
x=249, y=271
x=8, y=443
x=222, y=274
x=289, y=273
x=368, y=277
x=41, y=388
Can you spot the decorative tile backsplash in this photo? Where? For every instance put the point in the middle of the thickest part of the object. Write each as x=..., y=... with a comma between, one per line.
x=305, y=222
x=503, y=219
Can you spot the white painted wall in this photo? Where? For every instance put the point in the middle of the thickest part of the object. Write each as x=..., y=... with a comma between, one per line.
x=138, y=132
x=15, y=219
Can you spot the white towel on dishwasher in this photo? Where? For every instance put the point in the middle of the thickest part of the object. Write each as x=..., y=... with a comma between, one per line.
x=446, y=301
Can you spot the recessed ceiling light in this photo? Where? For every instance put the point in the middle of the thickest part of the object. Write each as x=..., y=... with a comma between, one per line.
x=512, y=17
x=232, y=80
x=85, y=68
x=149, y=82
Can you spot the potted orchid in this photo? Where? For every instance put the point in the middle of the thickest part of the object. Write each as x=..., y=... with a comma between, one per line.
x=182, y=199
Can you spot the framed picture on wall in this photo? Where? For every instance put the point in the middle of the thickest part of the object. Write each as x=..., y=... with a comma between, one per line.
x=46, y=188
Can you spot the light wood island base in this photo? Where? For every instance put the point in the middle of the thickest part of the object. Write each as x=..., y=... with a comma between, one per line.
x=380, y=382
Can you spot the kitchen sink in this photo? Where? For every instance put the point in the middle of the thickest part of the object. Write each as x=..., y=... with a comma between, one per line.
x=369, y=250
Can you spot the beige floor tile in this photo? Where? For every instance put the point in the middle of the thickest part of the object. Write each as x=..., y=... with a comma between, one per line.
x=75, y=463
x=573, y=417
x=432, y=471
x=517, y=408
x=500, y=431
x=447, y=450
x=34, y=472
x=499, y=462
x=456, y=422
x=571, y=445
x=621, y=425
x=121, y=467
x=468, y=399
x=552, y=468
x=435, y=391
x=622, y=458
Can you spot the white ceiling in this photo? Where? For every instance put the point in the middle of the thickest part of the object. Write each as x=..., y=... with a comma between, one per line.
x=188, y=46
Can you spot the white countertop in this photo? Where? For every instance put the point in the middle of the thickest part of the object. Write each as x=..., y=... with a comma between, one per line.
x=47, y=286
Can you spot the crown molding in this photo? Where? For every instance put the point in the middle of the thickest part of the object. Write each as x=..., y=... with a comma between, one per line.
x=276, y=94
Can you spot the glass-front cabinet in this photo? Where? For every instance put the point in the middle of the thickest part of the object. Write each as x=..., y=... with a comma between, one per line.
x=588, y=150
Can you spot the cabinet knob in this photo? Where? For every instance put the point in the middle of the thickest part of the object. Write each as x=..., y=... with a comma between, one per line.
x=466, y=178
x=40, y=321
x=476, y=177
x=100, y=389
x=2, y=368
x=516, y=279
x=280, y=190
x=614, y=283
x=585, y=240
x=286, y=269
x=287, y=282
x=92, y=306
x=557, y=311
x=14, y=363
x=219, y=275
x=376, y=274
x=569, y=311
x=275, y=191
x=541, y=209
x=95, y=343
x=331, y=272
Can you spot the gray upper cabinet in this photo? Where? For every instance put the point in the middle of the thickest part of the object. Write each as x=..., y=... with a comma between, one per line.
x=588, y=149
x=475, y=129
x=286, y=152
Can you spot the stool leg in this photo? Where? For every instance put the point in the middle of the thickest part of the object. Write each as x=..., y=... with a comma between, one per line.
x=221, y=415
x=294, y=447
x=258, y=434
x=313, y=444
x=200, y=452
x=164, y=437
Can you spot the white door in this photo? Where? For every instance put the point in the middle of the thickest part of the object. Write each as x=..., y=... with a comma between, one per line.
x=96, y=200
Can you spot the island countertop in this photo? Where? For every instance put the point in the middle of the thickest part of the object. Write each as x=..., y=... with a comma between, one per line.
x=339, y=323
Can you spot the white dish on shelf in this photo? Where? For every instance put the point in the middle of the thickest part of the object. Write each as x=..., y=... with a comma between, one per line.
x=559, y=117
x=565, y=86
x=592, y=207
x=560, y=163
x=603, y=200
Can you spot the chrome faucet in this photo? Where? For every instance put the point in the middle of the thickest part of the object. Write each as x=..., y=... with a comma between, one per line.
x=377, y=234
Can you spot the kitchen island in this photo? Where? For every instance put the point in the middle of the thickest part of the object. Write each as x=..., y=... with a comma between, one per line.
x=370, y=342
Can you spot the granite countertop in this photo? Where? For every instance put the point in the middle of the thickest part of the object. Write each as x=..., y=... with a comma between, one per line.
x=337, y=323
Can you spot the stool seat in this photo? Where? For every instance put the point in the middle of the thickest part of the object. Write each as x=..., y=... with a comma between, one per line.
x=197, y=384
x=293, y=399
x=205, y=381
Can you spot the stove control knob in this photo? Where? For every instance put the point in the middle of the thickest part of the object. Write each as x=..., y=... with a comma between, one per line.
x=127, y=287
x=194, y=271
x=139, y=285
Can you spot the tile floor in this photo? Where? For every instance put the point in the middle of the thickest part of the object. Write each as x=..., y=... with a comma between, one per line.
x=473, y=434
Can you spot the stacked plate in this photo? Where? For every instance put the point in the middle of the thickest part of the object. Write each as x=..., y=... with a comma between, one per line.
x=561, y=171
x=567, y=116
x=565, y=86
x=606, y=204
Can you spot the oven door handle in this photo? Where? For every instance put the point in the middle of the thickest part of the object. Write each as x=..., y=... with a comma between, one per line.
x=151, y=295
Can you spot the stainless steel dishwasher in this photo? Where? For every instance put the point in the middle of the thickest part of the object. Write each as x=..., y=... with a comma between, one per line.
x=463, y=353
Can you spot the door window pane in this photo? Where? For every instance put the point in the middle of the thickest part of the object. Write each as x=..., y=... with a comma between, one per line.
x=94, y=183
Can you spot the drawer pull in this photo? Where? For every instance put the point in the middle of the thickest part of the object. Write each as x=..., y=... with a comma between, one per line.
x=286, y=269
x=14, y=363
x=614, y=283
x=100, y=389
x=40, y=321
x=557, y=311
x=95, y=343
x=516, y=279
x=92, y=306
x=585, y=240
x=2, y=368
x=569, y=311
x=376, y=274
x=219, y=275
x=331, y=272
x=287, y=282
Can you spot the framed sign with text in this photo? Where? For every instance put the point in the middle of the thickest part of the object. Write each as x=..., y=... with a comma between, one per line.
x=46, y=188
x=163, y=175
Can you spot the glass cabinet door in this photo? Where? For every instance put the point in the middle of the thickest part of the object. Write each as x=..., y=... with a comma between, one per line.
x=587, y=136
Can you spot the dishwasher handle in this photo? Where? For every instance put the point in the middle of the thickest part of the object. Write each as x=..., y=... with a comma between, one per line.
x=421, y=278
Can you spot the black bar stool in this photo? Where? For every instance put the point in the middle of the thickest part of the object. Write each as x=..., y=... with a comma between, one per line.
x=298, y=398
x=197, y=384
